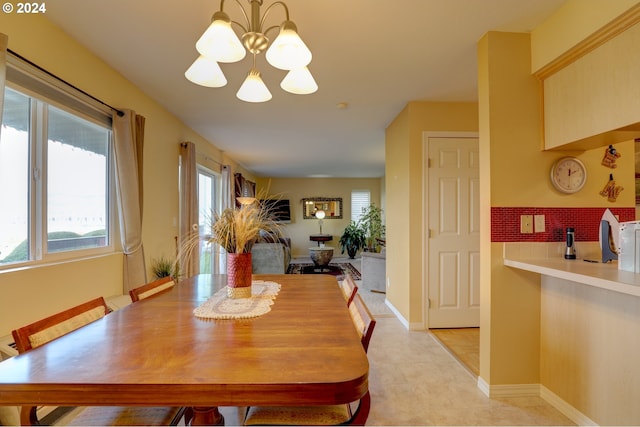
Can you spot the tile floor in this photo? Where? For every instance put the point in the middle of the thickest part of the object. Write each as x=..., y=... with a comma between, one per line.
x=415, y=381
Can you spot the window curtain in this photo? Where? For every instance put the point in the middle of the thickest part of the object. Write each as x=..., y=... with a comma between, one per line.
x=9, y=415
x=227, y=202
x=189, y=234
x=128, y=135
x=243, y=188
x=3, y=70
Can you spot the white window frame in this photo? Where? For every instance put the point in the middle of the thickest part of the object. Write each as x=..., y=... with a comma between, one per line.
x=37, y=209
x=216, y=196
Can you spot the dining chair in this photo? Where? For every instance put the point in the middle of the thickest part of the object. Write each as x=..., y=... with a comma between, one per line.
x=48, y=329
x=362, y=319
x=151, y=288
x=349, y=288
x=341, y=414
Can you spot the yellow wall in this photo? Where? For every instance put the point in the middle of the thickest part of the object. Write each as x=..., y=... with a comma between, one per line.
x=397, y=181
x=296, y=189
x=572, y=23
x=516, y=173
x=590, y=342
x=47, y=289
x=514, y=348
x=405, y=197
x=509, y=135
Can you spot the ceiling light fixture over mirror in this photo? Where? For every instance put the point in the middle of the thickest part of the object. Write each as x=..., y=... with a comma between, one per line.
x=219, y=43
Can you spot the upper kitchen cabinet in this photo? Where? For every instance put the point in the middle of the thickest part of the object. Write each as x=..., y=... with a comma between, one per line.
x=592, y=94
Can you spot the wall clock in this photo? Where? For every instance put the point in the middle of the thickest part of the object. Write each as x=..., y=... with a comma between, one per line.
x=568, y=175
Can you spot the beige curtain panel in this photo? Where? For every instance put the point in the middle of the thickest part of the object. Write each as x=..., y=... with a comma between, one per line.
x=128, y=133
x=189, y=210
x=3, y=70
x=9, y=415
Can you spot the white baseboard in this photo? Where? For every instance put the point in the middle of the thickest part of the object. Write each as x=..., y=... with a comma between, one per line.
x=538, y=390
x=514, y=390
x=400, y=317
x=484, y=387
x=561, y=405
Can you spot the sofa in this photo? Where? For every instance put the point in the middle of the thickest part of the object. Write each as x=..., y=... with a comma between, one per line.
x=374, y=271
x=271, y=255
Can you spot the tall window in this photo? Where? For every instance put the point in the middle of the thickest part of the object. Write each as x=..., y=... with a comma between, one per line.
x=209, y=201
x=54, y=180
x=360, y=199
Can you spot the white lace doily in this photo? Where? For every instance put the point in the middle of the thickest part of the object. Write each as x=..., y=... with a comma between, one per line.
x=220, y=306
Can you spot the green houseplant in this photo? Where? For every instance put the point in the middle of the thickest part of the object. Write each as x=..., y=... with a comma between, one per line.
x=352, y=239
x=371, y=221
x=163, y=267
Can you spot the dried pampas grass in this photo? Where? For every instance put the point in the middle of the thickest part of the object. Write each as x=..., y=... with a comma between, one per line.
x=236, y=230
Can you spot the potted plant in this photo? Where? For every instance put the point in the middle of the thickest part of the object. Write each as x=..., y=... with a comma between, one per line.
x=371, y=221
x=236, y=230
x=352, y=239
x=163, y=267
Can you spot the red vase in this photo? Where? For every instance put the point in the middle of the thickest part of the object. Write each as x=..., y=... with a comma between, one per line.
x=239, y=275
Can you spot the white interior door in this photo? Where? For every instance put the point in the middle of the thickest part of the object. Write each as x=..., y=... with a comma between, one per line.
x=454, y=233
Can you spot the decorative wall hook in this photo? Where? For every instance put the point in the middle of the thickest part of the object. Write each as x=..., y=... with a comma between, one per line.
x=611, y=190
x=610, y=157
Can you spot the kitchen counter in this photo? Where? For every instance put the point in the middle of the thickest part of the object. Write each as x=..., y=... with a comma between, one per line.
x=605, y=276
x=589, y=324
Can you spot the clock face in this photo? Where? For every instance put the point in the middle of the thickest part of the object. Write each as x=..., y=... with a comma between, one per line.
x=568, y=175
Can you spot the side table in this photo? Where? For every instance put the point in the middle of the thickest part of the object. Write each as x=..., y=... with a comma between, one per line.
x=321, y=238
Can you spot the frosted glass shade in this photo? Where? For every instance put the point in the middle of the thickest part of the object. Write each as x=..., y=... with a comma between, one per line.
x=206, y=72
x=288, y=51
x=219, y=42
x=253, y=89
x=299, y=81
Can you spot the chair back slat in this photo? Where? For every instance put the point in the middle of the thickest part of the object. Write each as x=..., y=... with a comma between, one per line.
x=57, y=325
x=151, y=288
x=349, y=288
x=363, y=320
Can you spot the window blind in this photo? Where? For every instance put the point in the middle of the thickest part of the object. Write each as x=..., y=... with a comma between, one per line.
x=360, y=199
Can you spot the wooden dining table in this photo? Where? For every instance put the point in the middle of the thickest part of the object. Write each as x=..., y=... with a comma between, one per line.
x=156, y=352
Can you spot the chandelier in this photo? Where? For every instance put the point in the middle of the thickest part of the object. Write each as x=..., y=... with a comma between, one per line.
x=219, y=43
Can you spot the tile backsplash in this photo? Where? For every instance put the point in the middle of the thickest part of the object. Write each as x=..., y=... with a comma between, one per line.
x=505, y=223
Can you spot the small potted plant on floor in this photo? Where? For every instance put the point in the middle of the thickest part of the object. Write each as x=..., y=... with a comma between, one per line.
x=163, y=267
x=352, y=239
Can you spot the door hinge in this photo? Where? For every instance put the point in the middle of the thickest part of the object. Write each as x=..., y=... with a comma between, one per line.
x=428, y=302
x=430, y=234
x=428, y=162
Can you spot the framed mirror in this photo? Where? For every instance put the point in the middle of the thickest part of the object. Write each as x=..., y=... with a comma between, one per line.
x=332, y=207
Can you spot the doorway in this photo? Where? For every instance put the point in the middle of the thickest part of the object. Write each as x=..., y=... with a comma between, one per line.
x=453, y=240
x=463, y=344
x=452, y=275
x=209, y=201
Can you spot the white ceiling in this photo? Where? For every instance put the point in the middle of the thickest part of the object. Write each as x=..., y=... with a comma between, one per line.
x=373, y=55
